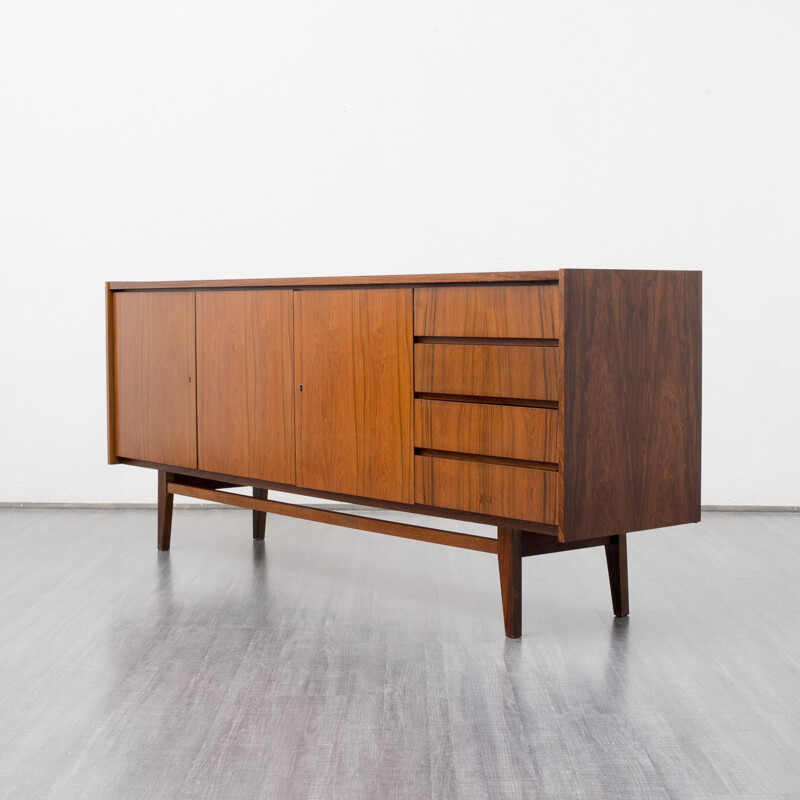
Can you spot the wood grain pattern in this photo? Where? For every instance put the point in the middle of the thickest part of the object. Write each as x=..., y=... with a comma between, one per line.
x=154, y=361
x=487, y=429
x=466, y=541
x=530, y=373
x=245, y=380
x=343, y=280
x=513, y=492
x=632, y=352
x=509, y=560
x=354, y=396
x=530, y=311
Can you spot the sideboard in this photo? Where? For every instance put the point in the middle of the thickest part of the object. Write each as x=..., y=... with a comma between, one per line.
x=561, y=407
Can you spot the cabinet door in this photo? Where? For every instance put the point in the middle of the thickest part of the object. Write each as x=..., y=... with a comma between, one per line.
x=354, y=392
x=154, y=373
x=245, y=400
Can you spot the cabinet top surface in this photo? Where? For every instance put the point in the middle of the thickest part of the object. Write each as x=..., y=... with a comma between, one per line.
x=431, y=279
x=339, y=280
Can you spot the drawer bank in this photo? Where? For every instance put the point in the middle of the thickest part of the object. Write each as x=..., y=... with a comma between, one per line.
x=561, y=407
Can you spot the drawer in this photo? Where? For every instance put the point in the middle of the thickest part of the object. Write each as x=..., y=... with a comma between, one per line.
x=487, y=430
x=516, y=312
x=492, y=489
x=519, y=372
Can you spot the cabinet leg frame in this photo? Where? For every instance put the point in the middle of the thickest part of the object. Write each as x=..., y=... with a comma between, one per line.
x=165, y=501
x=511, y=546
x=514, y=545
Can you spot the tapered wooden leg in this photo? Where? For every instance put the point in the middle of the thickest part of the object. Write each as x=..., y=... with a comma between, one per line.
x=617, y=560
x=164, y=510
x=509, y=559
x=259, y=517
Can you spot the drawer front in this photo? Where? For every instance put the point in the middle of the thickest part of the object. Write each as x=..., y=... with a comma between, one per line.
x=519, y=372
x=516, y=312
x=493, y=489
x=487, y=430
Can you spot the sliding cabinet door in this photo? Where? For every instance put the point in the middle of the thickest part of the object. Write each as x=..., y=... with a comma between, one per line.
x=245, y=421
x=354, y=392
x=153, y=384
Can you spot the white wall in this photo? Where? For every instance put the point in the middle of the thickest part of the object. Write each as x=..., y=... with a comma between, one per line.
x=156, y=140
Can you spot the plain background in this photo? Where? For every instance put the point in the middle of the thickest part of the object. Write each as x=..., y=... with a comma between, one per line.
x=156, y=140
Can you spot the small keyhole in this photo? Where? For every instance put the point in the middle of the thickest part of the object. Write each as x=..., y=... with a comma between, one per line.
x=301, y=387
x=190, y=379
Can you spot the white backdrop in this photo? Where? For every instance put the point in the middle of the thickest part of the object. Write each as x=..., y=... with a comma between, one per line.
x=155, y=140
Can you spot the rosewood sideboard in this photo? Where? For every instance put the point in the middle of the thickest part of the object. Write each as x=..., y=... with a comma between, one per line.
x=561, y=407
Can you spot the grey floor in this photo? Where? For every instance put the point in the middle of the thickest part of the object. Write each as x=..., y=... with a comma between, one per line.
x=330, y=664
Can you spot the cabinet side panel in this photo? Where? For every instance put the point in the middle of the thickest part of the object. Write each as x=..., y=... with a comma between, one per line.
x=353, y=359
x=632, y=382
x=245, y=399
x=154, y=371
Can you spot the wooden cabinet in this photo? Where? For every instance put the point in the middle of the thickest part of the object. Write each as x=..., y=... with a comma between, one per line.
x=563, y=408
